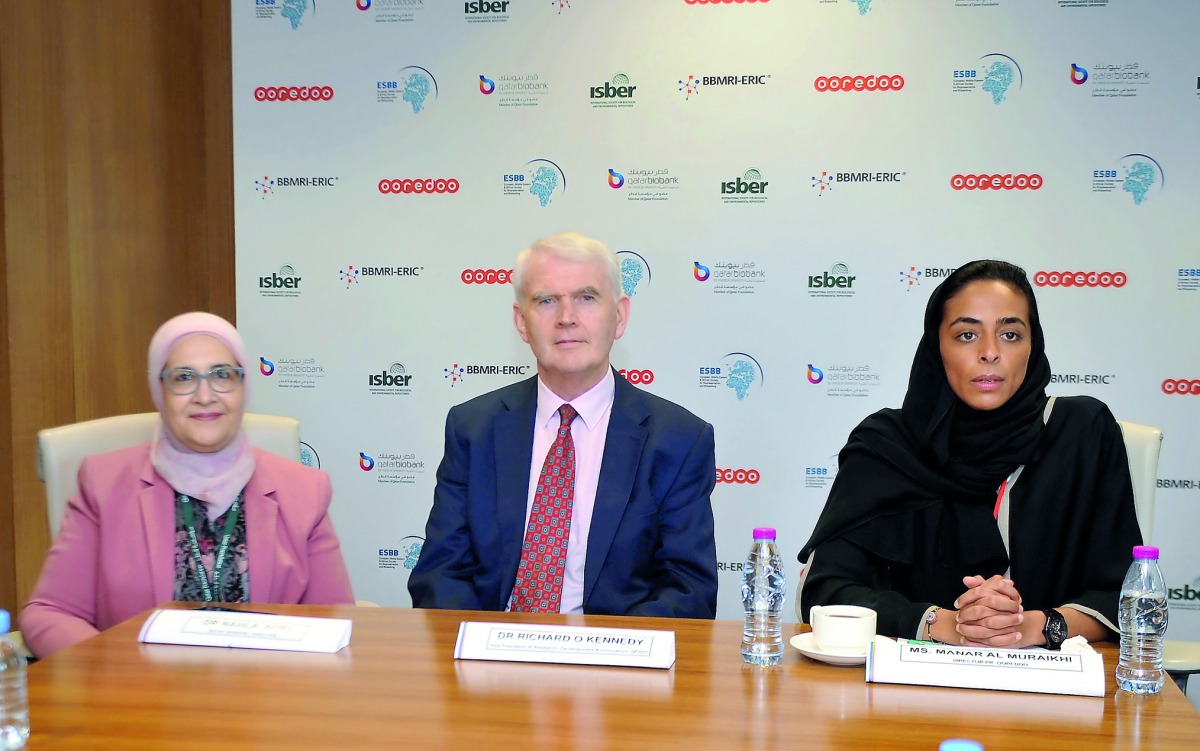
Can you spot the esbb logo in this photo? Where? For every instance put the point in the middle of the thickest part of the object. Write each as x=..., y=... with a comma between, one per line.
x=859, y=83
x=419, y=185
x=293, y=93
x=1181, y=386
x=1080, y=278
x=638, y=376
x=739, y=476
x=487, y=276
x=997, y=182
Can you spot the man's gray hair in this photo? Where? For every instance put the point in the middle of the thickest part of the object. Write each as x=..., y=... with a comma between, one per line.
x=569, y=246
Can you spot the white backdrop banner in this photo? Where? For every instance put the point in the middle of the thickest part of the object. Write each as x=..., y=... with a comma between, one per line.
x=785, y=180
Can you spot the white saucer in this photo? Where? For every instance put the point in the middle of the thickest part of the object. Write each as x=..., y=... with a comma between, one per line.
x=808, y=647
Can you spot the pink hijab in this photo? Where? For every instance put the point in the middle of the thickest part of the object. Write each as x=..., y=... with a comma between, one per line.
x=216, y=477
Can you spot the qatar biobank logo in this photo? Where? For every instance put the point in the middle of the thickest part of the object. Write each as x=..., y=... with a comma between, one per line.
x=1139, y=175
x=394, y=380
x=282, y=283
x=616, y=180
x=994, y=74
x=643, y=184
x=391, y=467
x=507, y=90
x=635, y=272
x=292, y=372
x=616, y=93
x=844, y=380
x=1079, y=75
x=738, y=372
x=540, y=178
x=1120, y=80
x=413, y=87
x=392, y=11
x=750, y=187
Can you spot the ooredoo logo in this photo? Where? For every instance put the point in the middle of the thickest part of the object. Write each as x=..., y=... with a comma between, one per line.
x=1181, y=386
x=739, y=476
x=1080, y=278
x=1009, y=181
x=419, y=185
x=293, y=93
x=640, y=377
x=700, y=271
x=486, y=85
x=265, y=366
x=487, y=276
x=859, y=83
x=365, y=463
x=1078, y=75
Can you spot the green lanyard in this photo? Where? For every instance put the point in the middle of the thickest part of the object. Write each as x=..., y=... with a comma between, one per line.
x=189, y=518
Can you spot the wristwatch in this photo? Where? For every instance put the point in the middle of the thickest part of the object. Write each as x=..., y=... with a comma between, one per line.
x=1055, y=630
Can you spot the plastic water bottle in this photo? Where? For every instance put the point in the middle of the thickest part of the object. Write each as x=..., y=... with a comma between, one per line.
x=14, y=694
x=763, y=590
x=1142, y=617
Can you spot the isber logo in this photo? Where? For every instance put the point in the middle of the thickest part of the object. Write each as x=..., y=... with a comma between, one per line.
x=997, y=182
x=859, y=83
x=1181, y=386
x=487, y=276
x=1080, y=278
x=293, y=93
x=641, y=377
x=739, y=476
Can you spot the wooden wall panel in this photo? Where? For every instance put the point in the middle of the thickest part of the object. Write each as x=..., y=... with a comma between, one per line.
x=117, y=154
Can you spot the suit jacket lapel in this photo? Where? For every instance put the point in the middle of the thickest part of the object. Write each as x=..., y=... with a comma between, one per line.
x=623, y=445
x=262, y=515
x=156, y=500
x=513, y=436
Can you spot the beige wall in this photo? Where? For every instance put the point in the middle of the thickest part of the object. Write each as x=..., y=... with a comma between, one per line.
x=116, y=162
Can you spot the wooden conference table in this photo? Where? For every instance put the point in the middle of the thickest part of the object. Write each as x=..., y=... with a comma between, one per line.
x=398, y=686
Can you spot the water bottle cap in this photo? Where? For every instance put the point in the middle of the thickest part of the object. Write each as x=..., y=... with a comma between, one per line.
x=764, y=533
x=1142, y=552
x=5, y=621
x=960, y=744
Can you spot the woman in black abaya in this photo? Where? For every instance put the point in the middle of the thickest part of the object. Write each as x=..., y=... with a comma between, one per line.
x=982, y=511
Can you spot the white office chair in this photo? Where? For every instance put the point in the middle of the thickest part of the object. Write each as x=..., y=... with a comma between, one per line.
x=62, y=449
x=1142, y=444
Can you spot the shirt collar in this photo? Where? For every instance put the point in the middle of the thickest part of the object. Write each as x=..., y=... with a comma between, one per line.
x=591, y=404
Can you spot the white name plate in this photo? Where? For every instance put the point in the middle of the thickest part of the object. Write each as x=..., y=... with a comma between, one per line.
x=242, y=630
x=572, y=645
x=1037, y=670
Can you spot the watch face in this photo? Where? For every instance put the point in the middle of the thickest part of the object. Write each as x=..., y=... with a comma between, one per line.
x=1056, y=628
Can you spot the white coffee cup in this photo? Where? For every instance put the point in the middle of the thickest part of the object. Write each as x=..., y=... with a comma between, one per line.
x=842, y=629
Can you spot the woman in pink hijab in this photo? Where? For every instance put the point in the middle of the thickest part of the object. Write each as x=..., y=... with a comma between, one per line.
x=195, y=514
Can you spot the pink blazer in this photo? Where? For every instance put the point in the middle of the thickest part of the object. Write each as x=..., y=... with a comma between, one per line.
x=115, y=552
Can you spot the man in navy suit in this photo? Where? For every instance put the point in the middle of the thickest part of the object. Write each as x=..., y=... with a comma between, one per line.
x=640, y=519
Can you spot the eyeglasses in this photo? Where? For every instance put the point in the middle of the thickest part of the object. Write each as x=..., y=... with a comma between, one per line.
x=184, y=381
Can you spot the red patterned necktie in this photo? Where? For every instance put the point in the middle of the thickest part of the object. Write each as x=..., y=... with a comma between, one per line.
x=544, y=556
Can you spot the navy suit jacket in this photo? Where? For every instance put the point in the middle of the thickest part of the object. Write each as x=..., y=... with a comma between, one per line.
x=650, y=549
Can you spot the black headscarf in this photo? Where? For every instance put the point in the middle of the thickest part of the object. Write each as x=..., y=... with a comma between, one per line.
x=936, y=449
